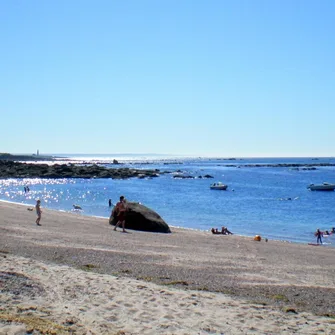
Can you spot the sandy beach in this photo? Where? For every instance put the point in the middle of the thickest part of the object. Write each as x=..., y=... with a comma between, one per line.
x=75, y=275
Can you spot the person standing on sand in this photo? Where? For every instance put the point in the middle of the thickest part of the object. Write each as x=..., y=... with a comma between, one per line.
x=318, y=235
x=38, y=212
x=120, y=209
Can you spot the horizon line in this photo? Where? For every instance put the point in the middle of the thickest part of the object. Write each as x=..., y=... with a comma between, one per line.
x=166, y=154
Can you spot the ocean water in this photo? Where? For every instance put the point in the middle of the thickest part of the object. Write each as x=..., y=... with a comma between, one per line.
x=255, y=202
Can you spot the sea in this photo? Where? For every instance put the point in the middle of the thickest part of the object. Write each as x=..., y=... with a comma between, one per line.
x=262, y=197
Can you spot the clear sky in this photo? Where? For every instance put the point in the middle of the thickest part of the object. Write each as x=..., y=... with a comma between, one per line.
x=210, y=78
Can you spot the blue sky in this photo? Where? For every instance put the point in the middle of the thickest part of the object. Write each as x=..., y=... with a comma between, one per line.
x=208, y=78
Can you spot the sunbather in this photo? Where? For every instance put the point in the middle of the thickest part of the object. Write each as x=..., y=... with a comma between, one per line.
x=225, y=231
x=215, y=231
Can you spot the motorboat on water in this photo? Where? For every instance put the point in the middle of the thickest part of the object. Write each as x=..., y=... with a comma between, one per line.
x=322, y=187
x=218, y=186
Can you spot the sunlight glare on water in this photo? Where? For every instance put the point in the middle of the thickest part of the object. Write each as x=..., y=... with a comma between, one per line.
x=270, y=201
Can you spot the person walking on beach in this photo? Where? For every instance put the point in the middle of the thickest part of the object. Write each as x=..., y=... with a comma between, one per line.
x=38, y=212
x=318, y=235
x=120, y=210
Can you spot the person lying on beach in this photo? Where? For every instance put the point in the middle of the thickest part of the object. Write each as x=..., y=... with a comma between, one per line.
x=225, y=231
x=215, y=231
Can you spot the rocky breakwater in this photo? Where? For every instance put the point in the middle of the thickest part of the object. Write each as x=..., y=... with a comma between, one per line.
x=10, y=169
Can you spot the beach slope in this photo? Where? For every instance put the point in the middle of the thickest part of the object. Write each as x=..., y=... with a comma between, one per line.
x=74, y=274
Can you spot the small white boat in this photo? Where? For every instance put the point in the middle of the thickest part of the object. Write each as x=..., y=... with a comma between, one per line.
x=322, y=187
x=218, y=186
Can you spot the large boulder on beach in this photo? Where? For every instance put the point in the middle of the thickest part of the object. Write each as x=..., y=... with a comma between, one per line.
x=140, y=217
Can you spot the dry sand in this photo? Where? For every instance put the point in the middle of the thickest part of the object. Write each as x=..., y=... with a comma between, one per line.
x=75, y=275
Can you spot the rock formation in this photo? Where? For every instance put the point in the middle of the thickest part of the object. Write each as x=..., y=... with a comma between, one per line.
x=10, y=169
x=139, y=217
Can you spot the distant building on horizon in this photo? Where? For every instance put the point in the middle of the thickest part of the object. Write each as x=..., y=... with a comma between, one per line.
x=38, y=153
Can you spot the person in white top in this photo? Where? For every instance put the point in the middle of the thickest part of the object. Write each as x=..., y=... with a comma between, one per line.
x=38, y=212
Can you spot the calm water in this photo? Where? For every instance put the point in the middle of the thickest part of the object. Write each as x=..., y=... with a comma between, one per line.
x=253, y=204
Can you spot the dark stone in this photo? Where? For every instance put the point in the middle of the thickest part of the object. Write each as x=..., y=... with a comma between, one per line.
x=140, y=217
x=309, y=168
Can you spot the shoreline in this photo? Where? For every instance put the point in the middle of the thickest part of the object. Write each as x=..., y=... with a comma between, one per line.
x=249, y=207
x=325, y=245
x=284, y=283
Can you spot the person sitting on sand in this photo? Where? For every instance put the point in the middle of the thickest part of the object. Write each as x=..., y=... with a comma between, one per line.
x=225, y=231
